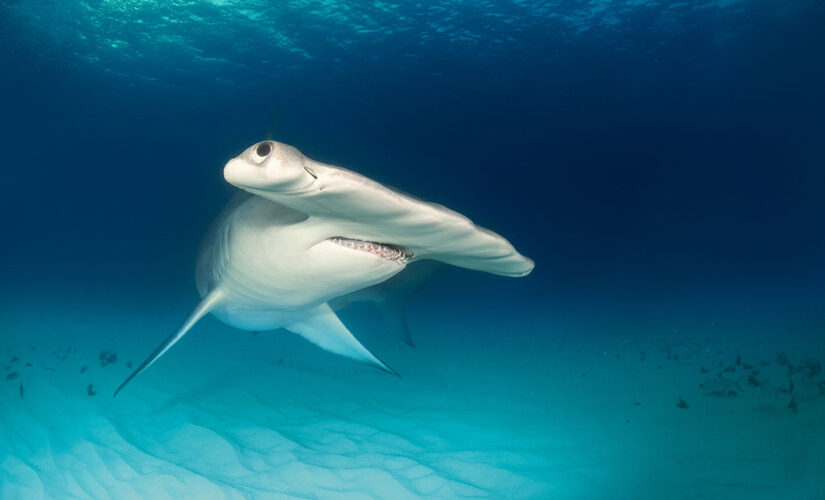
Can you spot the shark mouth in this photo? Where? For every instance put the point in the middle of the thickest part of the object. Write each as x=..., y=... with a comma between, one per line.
x=385, y=251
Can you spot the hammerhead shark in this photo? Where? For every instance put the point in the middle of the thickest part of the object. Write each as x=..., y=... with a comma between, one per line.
x=302, y=233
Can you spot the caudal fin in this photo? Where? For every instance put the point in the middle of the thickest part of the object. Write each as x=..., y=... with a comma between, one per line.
x=392, y=296
x=204, y=306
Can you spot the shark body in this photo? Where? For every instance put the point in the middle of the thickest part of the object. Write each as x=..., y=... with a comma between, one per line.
x=302, y=234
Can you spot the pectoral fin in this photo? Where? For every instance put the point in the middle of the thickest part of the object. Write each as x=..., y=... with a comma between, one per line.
x=322, y=327
x=204, y=306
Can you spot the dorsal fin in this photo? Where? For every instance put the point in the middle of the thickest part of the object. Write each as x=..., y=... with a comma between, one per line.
x=273, y=122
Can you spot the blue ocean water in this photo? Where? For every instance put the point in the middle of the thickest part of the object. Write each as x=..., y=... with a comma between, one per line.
x=660, y=161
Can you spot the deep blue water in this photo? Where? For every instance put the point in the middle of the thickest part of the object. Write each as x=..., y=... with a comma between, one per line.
x=661, y=161
x=672, y=145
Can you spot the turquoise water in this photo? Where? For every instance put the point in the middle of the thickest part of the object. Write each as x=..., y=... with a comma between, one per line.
x=659, y=161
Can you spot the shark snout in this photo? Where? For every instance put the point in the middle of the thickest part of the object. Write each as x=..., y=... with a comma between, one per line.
x=234, y=169
x=243, y=173
x=273, y=174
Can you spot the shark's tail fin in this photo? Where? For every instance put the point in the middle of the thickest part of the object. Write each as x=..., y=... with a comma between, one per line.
x=394, y=312
x=204, y=307
x=397, y=292
x=391, y=297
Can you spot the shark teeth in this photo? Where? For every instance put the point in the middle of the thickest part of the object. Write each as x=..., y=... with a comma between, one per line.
x=385, y=251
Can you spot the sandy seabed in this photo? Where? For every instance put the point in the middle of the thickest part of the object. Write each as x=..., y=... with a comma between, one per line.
x=497, y=402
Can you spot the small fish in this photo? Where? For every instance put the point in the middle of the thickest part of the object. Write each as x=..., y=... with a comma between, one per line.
x=792, y=405
x=682, y=404
x=28, y=364
x=14, y=359
x=83, y=368
x=128, y=364
x=21, y=390
x=12, y=376
x=90, y=390
x=704, y=370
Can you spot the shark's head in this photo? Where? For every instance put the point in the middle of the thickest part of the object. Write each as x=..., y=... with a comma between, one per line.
x=270, y=166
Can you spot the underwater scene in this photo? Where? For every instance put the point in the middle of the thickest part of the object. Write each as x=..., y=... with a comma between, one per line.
x=492, y=249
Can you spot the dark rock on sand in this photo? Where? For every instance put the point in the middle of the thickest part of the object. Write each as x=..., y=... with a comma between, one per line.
x=720, y=387
x=107, y=357
x=808, y=367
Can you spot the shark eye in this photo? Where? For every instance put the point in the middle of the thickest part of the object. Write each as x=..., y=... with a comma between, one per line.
x=263, y=149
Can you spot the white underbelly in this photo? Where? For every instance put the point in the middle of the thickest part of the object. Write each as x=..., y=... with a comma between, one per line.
x=268, y=273
x=257, y=319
